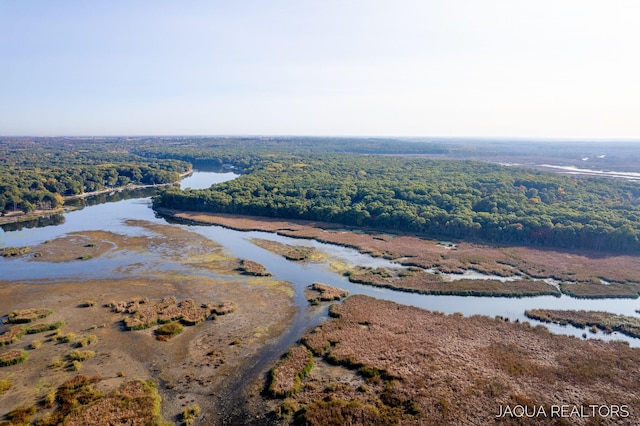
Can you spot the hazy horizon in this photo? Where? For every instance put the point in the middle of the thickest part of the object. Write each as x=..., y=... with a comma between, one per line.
x=509, y=69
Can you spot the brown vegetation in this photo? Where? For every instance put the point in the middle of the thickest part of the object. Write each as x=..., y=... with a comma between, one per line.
x=419, y=367
x=12, y=357
x=604, y=321
x=296, y=253
x=324, y=293
x=11, y=335
x=133, y=403
x=14, y=251
x=249, y=267
x=143, y=314
x=285, y=377
x=22, y=316
x=565, y=265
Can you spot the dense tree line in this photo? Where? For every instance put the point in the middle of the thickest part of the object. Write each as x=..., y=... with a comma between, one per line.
x=453, y=199
x=38, y=175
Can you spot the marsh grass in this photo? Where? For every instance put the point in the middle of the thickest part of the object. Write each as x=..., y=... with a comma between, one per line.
x=41, y=328
x=168, y=310
x=14, y=251
x=22, y=316
x=134, y=403
x=249, y=267
x=325, y=293
x=5, y=384
x=12, y=335
x=167, y=331
x=88, y=304
x=287, y=374
x=13, y=357
x=605, y=321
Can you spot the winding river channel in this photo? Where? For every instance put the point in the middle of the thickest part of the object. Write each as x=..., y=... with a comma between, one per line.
x=110, y=216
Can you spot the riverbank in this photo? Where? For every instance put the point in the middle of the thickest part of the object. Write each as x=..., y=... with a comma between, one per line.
x=19, y=216
x=513, y=271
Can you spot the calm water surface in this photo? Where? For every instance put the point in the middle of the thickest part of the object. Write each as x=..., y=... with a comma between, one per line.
x=111, y=217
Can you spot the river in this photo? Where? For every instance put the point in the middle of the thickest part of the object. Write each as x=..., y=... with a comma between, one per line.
x=111, y=216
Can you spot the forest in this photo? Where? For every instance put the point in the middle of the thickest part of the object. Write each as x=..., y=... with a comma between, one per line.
x=38, y=175
x=433, y=188
x=438, y=198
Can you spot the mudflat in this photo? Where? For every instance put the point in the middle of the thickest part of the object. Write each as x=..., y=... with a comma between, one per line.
x=188, y=369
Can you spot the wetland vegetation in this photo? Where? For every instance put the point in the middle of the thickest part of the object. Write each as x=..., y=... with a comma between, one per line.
x=514, y=232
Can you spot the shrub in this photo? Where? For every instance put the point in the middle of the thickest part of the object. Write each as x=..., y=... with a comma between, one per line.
x=188, y=416
x=4, y=385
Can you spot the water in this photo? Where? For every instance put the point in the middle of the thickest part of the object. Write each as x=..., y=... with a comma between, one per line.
x=111, y=217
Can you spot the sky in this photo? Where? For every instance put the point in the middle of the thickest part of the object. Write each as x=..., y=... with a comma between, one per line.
x=465, y=68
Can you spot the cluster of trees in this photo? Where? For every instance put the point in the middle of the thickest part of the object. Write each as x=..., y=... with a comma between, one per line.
x=453, y=199
x=39, y=175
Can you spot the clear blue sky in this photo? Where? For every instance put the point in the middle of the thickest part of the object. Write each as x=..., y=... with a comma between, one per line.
x=543, y=68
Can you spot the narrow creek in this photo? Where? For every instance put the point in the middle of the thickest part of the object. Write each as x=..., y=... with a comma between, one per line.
x=111, y=217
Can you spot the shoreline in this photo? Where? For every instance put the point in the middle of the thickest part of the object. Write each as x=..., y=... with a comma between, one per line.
x=415, y=251
x=17, y=217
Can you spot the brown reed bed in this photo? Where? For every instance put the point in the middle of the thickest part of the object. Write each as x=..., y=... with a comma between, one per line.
x=320, y=292
x=249, y=267
x=13, y=357
x=421, y=367
x=12, y=335
x=562, y=265
x=22, y=316
x=78, y=403
x=605, y=321
x=287, y=374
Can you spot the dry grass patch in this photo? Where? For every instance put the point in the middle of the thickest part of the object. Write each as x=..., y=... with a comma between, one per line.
x=5, y=385
x=12, y=357
x=289, y=252
x=22, y=316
